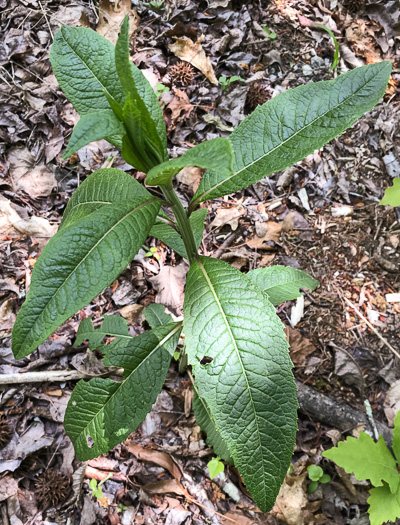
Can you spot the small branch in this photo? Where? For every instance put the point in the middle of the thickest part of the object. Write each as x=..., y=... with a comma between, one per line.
x=51, y=376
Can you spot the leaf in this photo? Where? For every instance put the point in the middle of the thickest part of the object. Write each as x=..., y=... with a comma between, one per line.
x=103, y=187
x=396, y=437
x=315, y=472
x=203, y=419
x=367, y=460
x=392, y=194
x=281, y=283
x=248, y=385
x=110, y=17
x=93, y=126
x=214, y=154
x=77, y=264
x=155, y=315
x=169, y=285
x=215, y=467
x=108, y=411
x=292, y=125
x=193, y=52
x=383, y=505
x=113, y=325
x=169, y=236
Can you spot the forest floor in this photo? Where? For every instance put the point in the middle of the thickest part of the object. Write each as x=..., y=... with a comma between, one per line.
x=321, y=216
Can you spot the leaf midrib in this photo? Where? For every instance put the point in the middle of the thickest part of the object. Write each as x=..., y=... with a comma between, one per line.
x=86, y=256
x=159, y=345
x=281, y=144
x=212, y=289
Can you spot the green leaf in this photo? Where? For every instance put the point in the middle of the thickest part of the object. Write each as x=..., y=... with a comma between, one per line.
x=214, y=154
x=384, y=506
x=248, y=385
x=77, y=264
x=396, y=437
x=169, y=236
x=325, y=478
x=103, y=187
x=155, y=315
x=312, y=487
x=215, y=467
x=367, y=460
x=392, y=194
x=108, y=411
x=315, y=472
x=203, y=419
x=292, y=125
x=93, y=126
x=113, y=326
x=281, y=283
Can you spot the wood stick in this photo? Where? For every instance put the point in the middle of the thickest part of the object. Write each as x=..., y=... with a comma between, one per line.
x=51, y=376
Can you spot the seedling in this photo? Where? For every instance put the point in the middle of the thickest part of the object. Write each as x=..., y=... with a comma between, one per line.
x=157, y=5
x=392, y=194
x=226, y=82
x=215, y=467
x=161, y=89
x=373, y=461
x=270, y=34
x=317, y=476
x=95, y=487
x=245, y=396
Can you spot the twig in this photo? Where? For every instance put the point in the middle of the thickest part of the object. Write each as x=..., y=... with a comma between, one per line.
x=50, y=376
x=360, y=315
x=226, y=244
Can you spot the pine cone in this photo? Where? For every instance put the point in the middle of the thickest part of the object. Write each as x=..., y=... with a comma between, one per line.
x=5, y=432
x=182, y=73
x=353, y=5
x=257, y=95
x=52, y=488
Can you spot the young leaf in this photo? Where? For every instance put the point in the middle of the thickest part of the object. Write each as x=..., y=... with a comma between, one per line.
x=239, y=355
x=155, y=315
x=315, y=472
x=392, y=194
x=113, y=326
x=98, y=248
x=203, y=419
x=93, y=126
x=103, y=187
x=169, y=236
x=281, y=283
x=214, y=154
x=383, y=505
x=367, y=460
x=215, y=467
x=292, y=125
x=108, y=411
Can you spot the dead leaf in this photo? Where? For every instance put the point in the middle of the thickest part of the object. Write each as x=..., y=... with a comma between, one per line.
x=162, y=459
x=273, y=233
x=7, y=315
x=165, y=487
x=392, y=402
x=300, y=347
x=132, y=313
x=190, y=177
x=8, y=487
x=111, y=15
x=178, y=110
x=229, y=216
x=35, y=181
x=99, y=475
x=169, y=285
x=292, y=501
x=193, y=52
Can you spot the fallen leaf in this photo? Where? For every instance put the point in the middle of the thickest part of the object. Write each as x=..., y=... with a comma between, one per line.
x=99, y=475
x=165, y=487
x=111, y=15
x=35, y=181
x=7, y=315
x=193, y=52
x=178, y=110
x=8, y=487
x=229, y=216
x=392, y=402
x=273, y=233
x=300, y=347
x=132, y=312
x=169, y=285
x=190, y=177
x=162, y=459
x=292, y=500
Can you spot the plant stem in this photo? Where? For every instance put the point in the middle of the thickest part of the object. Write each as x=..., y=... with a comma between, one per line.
x=182, y=221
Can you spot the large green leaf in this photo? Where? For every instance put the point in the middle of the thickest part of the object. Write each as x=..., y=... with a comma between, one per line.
x=107, y=411
x=169, y=236
x=216, y=154
x=155, y=315
x=392, y=194
x=294, y=124
x=93, y=126
x=367, y=459
x=384, y=506
x=203, y=419
x=281, y=283
x=239, y=355
x=113, y=326
x=103, y=187
x=77, y=264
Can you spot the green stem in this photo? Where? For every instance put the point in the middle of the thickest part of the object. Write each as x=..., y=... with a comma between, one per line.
x=182, y=221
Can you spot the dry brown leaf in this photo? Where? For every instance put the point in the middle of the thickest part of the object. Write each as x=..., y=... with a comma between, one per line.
x=170, y=284
x=100, y=475
x=8, y=487
x=300, y=347
x=35, y=181
x=392, y=402
x=165, y=487
x=7, y=315
x=229, y=216
x=132, y=312
x=193, y=52
x=111, y=15
x=273, y=233
x=178, y=109
x=162, y=459
x=290, y=505
x=190, y=177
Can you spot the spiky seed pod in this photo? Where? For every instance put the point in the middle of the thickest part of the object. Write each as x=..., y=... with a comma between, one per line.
x=256, y=96
x=353, y=5
x=5, y=432
x=182, y=73
x=52, y=488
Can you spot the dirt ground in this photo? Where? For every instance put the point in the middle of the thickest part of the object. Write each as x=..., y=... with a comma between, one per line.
x=322, y=216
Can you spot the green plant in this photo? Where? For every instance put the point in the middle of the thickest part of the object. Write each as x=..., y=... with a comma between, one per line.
x=245, y=394
x=317, y=476
x=226, y=82
x=392, y=194
x=97, y=491
x=215, y=467
x=270, y=34
x=161, y=89
x=369, y=459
